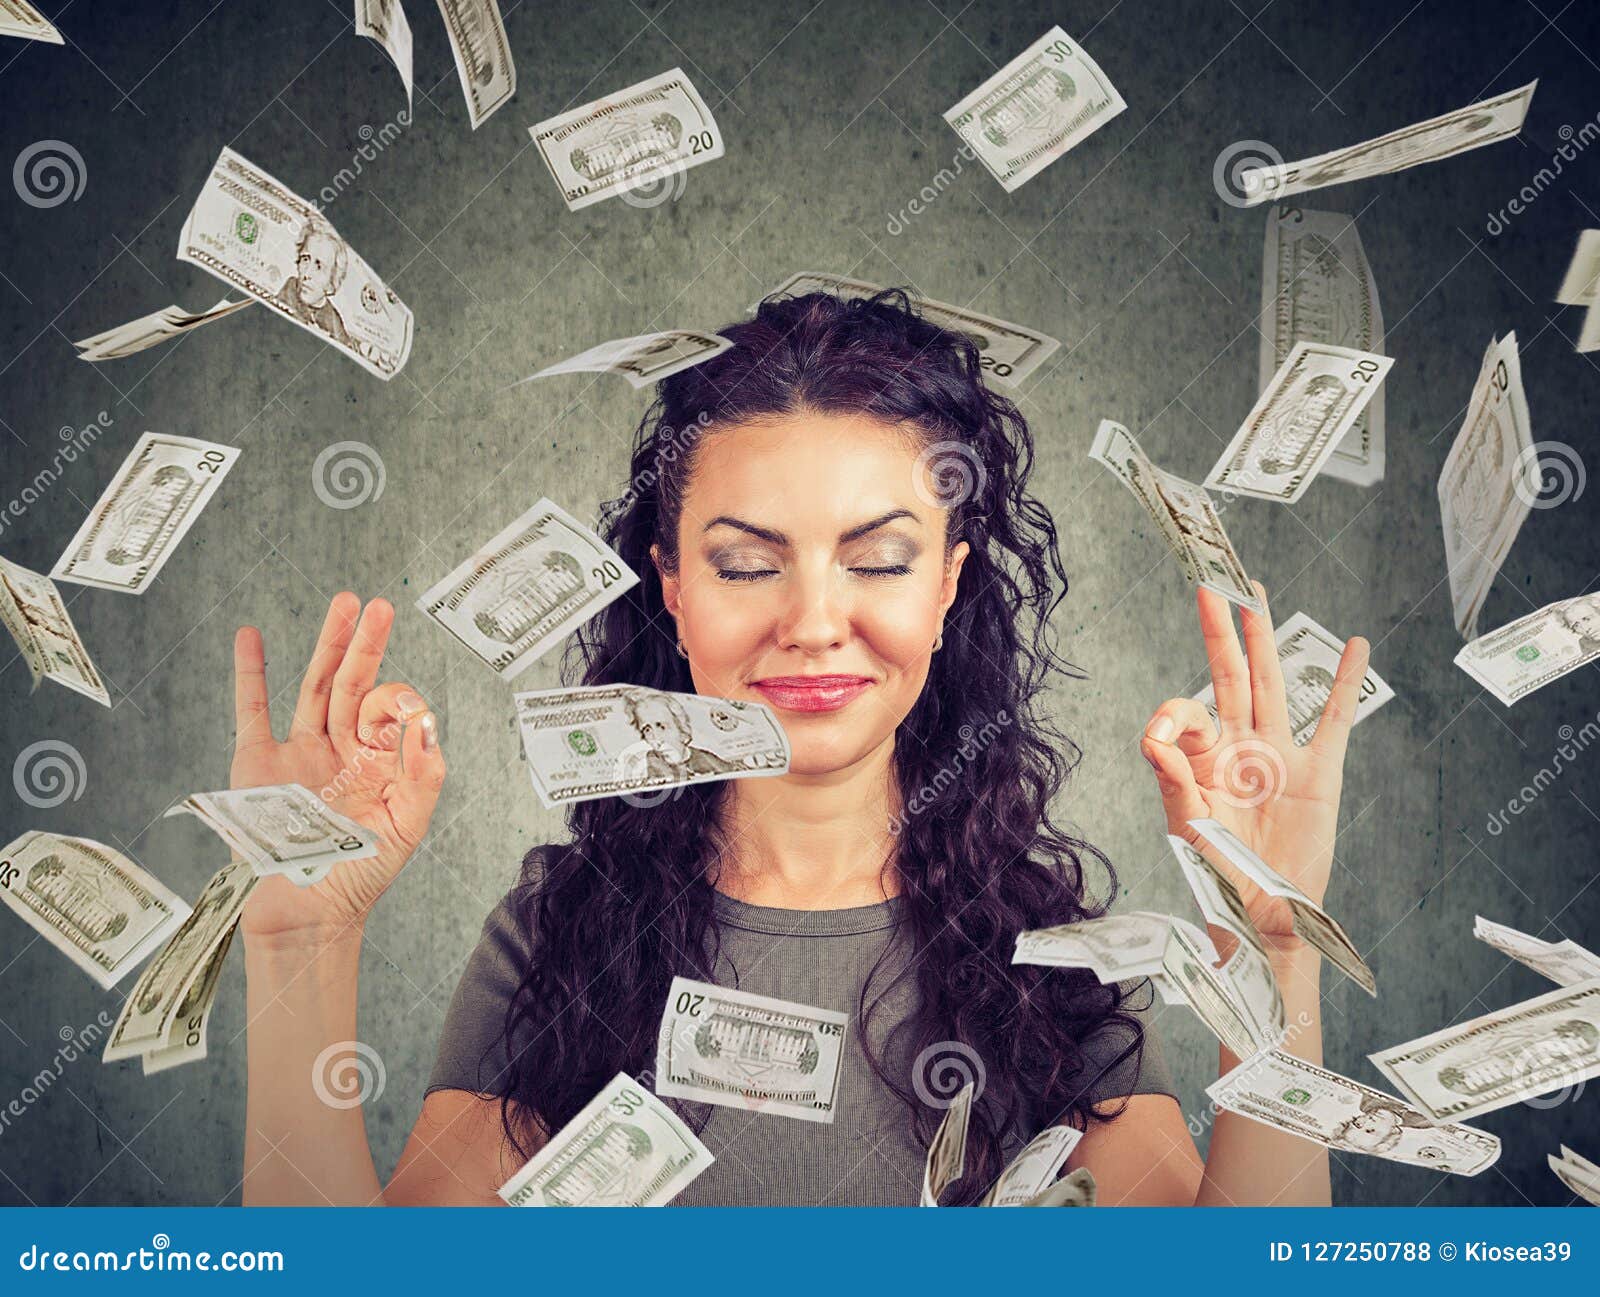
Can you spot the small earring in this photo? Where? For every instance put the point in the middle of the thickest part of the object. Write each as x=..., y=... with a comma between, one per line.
x=682, y=652
x=939, y=643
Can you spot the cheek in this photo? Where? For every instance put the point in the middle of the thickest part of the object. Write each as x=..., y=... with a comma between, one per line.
x=900, y=624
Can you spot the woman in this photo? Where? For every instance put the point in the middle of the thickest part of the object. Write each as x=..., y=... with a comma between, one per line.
x=806, y=552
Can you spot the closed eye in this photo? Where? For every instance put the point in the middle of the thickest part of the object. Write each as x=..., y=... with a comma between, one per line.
x=898, y=569
x=745, y=574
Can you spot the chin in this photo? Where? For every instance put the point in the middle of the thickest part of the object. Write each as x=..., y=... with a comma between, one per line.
x=817, y=755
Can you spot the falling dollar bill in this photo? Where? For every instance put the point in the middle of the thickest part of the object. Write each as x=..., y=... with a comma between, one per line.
x=91, y=903
x=1034, y=1169
x=281, y=829
x=643, y=360
x=260, y=237
x=19, y=18
x=1551, y=1042
x=1308, y=656
x=1047, y=100
x=1530, y=652
x=1317, y=285
x=1564, y=962
x=1483, y=495
x=1485, y=122
x=1115, y=947
x=32, y=610
x=1183, y=512
x=164, y=1014
x=482, y=54
x=1248, y=971
x=187, y=1043
x=516, y=597
x=1312, y=924
x=719, y=1045
x=152, y=502
x=1007, y=352
x=1289, y=1094
x=1578, y=1174
x=152, y=330
x=385, y=21
x=1075, y=1189
x=611, y=740
x=1581, y=287
x=1209, y=991
x=947, y=1151
x=1316, y=396
x=640, y=137
x=625, y=1149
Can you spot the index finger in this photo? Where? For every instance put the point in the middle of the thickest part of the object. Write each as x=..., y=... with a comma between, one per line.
x=252, y=723
x=1230, y=681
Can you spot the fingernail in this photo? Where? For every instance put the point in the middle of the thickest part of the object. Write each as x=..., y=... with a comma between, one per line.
x=1163, y=729
x=430, y=733
x=410, y=705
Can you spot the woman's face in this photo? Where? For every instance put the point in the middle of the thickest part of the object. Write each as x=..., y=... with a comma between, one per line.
x=813, y=578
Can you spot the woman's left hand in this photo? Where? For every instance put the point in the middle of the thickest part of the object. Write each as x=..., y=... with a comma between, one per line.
x=1281, y=800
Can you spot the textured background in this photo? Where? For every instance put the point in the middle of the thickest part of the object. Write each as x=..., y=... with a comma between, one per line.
x=1123, y=250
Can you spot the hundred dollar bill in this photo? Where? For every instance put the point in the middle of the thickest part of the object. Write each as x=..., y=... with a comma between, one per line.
x=1485, y=122
x=1308, y=655
x=1550, y=1042
x=385, y=22
x=1211, y=994
x=1009, y=352
x=152, y=330
x=1312, y=924
x=947, y=1151
x=610, y=740
x=1248, y=969
x=1045, y=101
x=1188, y=521
x=538, y=580
x=1115, y=947
x=482, y=54
x=19, y=18
x=1285, y=1092
x=32, y=610
x=91, y=903
x=281, y=829
x=1564, y=962
x=1075, y=1189
x=1034, y=1169
x=719, y=1045
x=259, y=236
x=155, y=1006
x=187, y=1043
x=1579, y=1174
x=149, y=507
x=632, y=140
x=643, y=360
x=1317, y=285
x=1316, y=396
x=1530, y=652
x=1483, y=496
x=625, y=1149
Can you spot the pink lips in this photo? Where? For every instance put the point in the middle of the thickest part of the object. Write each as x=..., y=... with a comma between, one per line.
x=811, y=693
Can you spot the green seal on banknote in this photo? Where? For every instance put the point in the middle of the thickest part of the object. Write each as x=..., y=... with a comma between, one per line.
x=245, y=227
x=582, y=742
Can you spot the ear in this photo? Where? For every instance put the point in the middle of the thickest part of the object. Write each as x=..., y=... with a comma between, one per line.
x=952, y=572
x=671, y=585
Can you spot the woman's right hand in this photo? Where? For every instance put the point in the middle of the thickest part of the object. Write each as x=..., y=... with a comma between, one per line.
x=370, y=751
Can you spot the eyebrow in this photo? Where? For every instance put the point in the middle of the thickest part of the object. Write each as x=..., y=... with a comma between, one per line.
x=779, y=539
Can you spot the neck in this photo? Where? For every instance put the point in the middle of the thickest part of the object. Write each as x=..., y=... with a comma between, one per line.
x=811, y=842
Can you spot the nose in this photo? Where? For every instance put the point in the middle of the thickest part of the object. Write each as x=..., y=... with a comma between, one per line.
x=816, y=613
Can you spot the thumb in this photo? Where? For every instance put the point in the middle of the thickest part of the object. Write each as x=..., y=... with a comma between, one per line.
x=1180, y=794
x=415, y=791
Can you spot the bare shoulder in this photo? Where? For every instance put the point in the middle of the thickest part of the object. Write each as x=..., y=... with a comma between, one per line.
x=456, y=1156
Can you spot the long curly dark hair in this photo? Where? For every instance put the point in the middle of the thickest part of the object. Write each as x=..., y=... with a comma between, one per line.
x=628, y=903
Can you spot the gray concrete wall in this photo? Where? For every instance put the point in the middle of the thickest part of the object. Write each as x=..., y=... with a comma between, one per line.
x=1123, y=250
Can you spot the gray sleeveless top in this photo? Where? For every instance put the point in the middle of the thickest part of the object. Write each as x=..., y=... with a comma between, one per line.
x=868, y=1156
